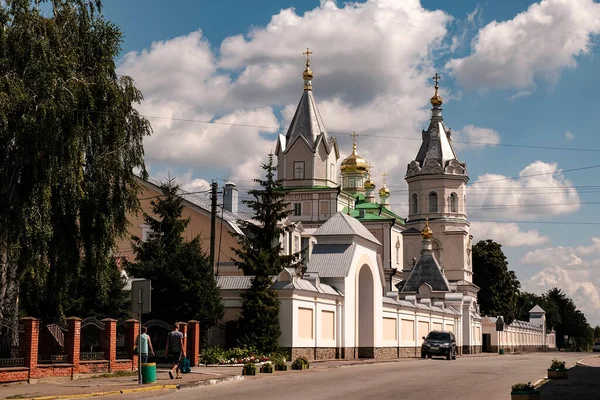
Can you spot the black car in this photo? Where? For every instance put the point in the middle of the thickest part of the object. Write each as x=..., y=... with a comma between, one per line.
x=439, y=343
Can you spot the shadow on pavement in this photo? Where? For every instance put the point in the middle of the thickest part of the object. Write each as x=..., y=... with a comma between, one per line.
x=583, y=384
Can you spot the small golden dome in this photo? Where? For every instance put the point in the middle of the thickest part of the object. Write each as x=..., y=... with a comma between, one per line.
x=369, y=183
x=307, y=75
x=436, y=100
x=384, y=191
x=427, y=233
x=354, y=162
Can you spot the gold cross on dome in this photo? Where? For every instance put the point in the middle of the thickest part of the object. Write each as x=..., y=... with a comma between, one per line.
x=384, y=175
x=354, y=136
x=307, y=53
x=370, y=166
x=436, y=78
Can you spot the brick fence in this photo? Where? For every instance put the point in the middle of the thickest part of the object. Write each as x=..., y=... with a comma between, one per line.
x=69, y=364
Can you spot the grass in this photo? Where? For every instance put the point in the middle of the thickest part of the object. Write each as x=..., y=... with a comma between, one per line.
x=117, y=374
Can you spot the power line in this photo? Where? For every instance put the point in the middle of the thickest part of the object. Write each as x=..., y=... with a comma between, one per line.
x=363, y=135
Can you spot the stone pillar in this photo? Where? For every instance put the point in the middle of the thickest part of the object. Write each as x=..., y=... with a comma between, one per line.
x=29, y=343
x=73, y=342
x=109, y=341
x=193, y=343
x=132, y=330
x=183, y=328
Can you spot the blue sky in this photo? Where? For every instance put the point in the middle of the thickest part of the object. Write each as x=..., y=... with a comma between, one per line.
x=514, y=73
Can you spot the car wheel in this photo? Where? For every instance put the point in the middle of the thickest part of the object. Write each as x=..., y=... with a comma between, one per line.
x=448, y=356
x=454, y=354
x=422, y=355
x=428, y=355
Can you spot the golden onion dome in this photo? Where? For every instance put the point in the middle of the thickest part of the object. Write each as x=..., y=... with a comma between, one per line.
x=436, y=100
x=427, y=233
x=384, y=191
x=354, y=162
x=369, y=183
x=307, y=75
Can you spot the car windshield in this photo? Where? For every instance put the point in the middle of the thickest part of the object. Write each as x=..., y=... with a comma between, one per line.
x=438, y=336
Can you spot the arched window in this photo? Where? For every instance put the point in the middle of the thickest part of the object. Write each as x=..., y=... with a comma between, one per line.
x=433, y=202
x=414, y=204
x=453, y=202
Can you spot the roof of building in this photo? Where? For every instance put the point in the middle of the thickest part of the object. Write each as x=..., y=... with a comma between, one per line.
x=426, y=270
x=234, y=282
x=331, y=260
x=341, y=224
x=307, y=121
x=203, y=202
x=537, y=309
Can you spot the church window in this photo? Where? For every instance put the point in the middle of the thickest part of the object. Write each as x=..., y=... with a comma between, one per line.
x=433, y=202
x=332, y=172
x=453, y=202
x=297, y=209
x=397, y=251
x=414, y=204
x=351, y=182
x=298, y=169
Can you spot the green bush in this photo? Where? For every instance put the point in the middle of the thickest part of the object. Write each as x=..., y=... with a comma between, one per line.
x=300, y=362
x=523, y=387
x=213, y=355
x=557, y=364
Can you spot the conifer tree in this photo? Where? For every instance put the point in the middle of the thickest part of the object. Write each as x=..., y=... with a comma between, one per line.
x=183, y=281
x=259, y=255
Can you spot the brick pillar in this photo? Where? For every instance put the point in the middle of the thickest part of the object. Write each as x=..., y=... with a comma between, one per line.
x=132, y=330
x=109, y=342
x=193, y=343
x=183, y=328
x=73, y=342
x=29, y=344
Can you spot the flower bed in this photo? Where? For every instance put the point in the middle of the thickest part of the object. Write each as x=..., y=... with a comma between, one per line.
x=236, y=356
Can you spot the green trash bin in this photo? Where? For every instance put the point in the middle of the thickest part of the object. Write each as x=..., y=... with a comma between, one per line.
x=149, y=373
x=501, y=351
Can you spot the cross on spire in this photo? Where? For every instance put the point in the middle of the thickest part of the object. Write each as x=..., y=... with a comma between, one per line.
x=307, y=53
x=354, y=136
x=436, y=79
x=384, y=176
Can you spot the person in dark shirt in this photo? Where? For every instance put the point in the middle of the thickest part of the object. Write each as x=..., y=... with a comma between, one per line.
x=174, y=350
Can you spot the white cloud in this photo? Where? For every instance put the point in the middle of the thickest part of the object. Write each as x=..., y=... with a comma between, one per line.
x=508, y=234
x=537, y=43
x=471, y=136
x=574, y=270
x=540, y=190
x=372, y=80
x=569, y=135
x=520, y=93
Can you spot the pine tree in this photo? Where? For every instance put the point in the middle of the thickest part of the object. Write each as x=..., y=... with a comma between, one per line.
x=259, y=255
x=183, y=281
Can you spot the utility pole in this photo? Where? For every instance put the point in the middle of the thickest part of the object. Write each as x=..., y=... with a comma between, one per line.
x=213, y=221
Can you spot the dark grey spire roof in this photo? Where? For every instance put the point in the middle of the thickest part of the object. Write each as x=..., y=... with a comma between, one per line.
x=341, y=224
x=307, y=121
x=426, y=270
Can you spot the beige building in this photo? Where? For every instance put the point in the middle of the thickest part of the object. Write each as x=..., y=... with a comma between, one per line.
x=197, y=207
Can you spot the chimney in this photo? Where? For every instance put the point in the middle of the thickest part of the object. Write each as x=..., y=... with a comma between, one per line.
x=230, y=197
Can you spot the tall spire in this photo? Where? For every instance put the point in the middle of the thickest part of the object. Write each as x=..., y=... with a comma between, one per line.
x=307, y=74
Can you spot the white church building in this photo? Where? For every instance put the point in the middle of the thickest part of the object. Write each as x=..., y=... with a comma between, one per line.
x=375, y=283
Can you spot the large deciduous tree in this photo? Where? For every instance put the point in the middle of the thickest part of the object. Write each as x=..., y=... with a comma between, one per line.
x=260, y=255
x=499, y=286
x=183, y=281
x=70, y=140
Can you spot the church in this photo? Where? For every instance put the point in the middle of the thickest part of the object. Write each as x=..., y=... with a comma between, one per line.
x=375, y=282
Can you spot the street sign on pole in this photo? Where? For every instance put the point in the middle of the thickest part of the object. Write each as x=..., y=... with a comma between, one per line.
x=140, y=303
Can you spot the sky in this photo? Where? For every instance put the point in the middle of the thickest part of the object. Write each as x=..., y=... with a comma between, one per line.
x=222, y=79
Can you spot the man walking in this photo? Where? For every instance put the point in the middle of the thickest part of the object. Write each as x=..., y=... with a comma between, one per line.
x=175, y=350
x=144, y=343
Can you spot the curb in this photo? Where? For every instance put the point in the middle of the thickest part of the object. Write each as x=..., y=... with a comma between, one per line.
x=581, y=362
x=210, y=382
x=99, y=394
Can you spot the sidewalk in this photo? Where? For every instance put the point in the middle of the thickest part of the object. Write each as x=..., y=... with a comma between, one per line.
x=583, y=383
x=95, y=387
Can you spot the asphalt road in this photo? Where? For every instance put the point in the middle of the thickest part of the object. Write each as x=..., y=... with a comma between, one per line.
x=468, y=378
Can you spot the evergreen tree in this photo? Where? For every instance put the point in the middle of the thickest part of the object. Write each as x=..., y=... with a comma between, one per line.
x=70, y=140
x=183, y=281
x=259, y=255
x=499, y=286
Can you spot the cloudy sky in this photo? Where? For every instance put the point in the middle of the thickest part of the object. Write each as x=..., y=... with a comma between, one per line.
x=519, y=80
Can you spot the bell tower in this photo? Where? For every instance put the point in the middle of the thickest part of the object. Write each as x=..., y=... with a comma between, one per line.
x=437, y=192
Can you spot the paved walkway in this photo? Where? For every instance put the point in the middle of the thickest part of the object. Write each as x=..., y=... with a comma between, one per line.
x=583, y=383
